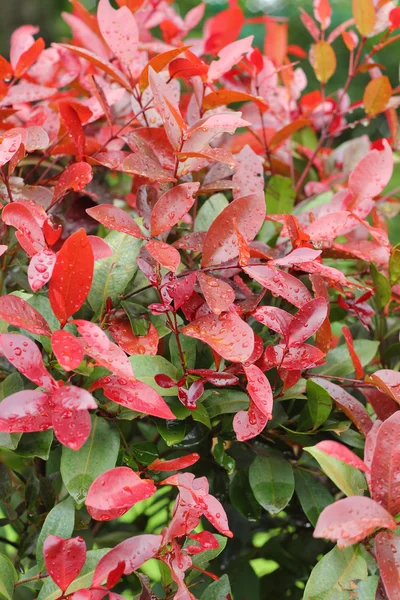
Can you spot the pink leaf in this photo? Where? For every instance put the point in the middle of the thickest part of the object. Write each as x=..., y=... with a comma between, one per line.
x=71, y=428
x=387, y=551
x=385, y=484
x=16, y=311
x=119, y=29
x=134, y=395
x=41, y=268
x=21, y=218
x=229, y=56
x=165, y=104
x=115, y=218
x=71, y=397
x=172, y=206
x=326, y=228
x=133, y=552
x=372, y=173
x=25, y=356
x=297, y=257
x=281, y=283
x=9, y=145
x=307, y=321
x=259, y=390
x=95, y=338
x=100, y=248
x=114, y=359
x=75, y=177
x=125, y=489
x=21, y=40
x=227, y=334
x=68, y=350
x=352, y=519
x=25, y=91
x=174, y=464
x=248, y=424
x=249, y=173
x=64, y=559
x=352, y=408
x=164, y=254
x=25, y=411
x=275, y=318
x=217, y=293
x=221, y=243
x=342, y=453
x=388, y=381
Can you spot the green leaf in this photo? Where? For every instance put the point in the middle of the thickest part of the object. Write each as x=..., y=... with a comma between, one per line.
x=10, y=385
x=279, y=195
x=218, y=590
x=339, y=362
x=50, y=591
x=8, y=576
x=271, y=479
x=6, y=486
x=336, y=575
x=224, y=401
x=366, y=590
x=319, y=403
x=222, y=458
x=209, y=211
x=394, y=265
x=59, y=521
x=98, y=454
x=348, y=479
x=382, y=287
x=242, y=497
x=112, y=274
x=37, y=443
x=172, y=432
x=145, y=367
x=144, y=452
x=312, y=494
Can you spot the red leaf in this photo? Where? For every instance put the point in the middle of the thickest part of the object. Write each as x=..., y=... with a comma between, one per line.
x=9, y=145
x=125, y=489
x=227, y=334
x=352, y=519
x=297, y=257
x=259, y=390
x=342, y=453
x=68, y=350
x=164, y=254
x=206, y=540
x=74, y=126
x=114, y=359
x=41, y=268
x=64, y=559
x=385, y=484
x=172, y=206
x=72, y=276
x=306, y=322
x=229, y=56
x=217, y=293
x=119, y=29
x=95, y=338
x=25, y=356
x=134, y=395
x=25, y=411
x=115, y=218
x=220, y=243
x=75, y=177
x=388, y=381
x=281, y=283
x=275, y=318
x=297, y=357
x=382, y=404
x=358, y=368
x=183, y=289
x=132, y=344
x=352, y=408
x=175, y=464
x=20, y=217
x=16, y=311
x=71, y=397
x=71, y=428
x=372, y=173
x=387, y=551
x=326, y=228
x=133, y=552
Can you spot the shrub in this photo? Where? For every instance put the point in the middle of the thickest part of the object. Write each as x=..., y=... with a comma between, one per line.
x=198, y=309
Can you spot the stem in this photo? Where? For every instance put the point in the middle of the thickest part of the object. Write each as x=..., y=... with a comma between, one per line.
x=34, y=578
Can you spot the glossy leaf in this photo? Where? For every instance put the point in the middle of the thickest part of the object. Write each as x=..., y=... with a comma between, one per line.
x=172, y=206
x=386, y=548
x=117, y=219
x=217, y=293
x=384, y=465
x=271, y=479
x=164, y=254
x=281, y=283
x=16, y=311
x=346, y=478
x=64, y=559
x=342, y=453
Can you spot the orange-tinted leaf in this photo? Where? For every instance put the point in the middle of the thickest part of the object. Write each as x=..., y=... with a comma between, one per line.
x=352, y=519
x=117, y=219
x=358, y=368
x=174, y=464
x=172, y=206
x=224, y=97
x=364, y=16
x=28, y=57
x=158, y=63
x=164, y=254
x=217, y=293
x=75, y=177
x=376, y=95
x=227, y=334
x=74, y=126
x=121, y=330
x=72, y=276
x=287, y=131
x=388, y=381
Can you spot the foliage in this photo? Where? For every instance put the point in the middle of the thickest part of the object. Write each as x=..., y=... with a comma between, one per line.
x=199, y=290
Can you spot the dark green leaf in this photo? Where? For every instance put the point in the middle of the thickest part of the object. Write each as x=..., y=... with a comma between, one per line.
x=8, y=576
x=312, y=494
x=218, y=590
x=382, y=287
x=271, y=479
x=243, y=498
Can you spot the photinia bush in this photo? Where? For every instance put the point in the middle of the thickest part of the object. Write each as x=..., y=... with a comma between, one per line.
x=198, y=316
